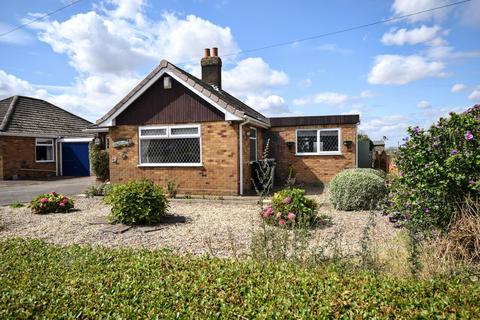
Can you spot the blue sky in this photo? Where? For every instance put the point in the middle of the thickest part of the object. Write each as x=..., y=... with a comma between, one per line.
x=409, y=72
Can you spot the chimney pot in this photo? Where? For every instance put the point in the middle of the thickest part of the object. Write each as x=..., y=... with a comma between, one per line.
x=214, y=52
x=207, y=52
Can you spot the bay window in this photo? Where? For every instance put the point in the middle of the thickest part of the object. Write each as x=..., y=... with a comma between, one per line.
x=318, y=141
x=170, y=146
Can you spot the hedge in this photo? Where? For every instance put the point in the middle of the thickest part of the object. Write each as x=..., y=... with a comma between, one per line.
x=39, y=280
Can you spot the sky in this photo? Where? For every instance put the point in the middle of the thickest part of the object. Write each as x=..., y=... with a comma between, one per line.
x=406, y=72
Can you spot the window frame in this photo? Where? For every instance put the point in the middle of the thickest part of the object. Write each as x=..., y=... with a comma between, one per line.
x=256, y=144
x=52, y=144
x=168, y=135
x=319, y=153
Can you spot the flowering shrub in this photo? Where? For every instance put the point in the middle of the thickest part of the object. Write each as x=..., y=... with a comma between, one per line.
x=137, y=202
x=290, y=207
x=357, y=189
x=50, y=203
x=438, y=168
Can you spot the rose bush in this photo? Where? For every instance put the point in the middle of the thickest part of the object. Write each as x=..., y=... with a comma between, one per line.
x=51, y=203
x=438, y=168
x=290, y=207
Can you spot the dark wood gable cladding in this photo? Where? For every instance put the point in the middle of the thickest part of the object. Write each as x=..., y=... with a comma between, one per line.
x=161, y=106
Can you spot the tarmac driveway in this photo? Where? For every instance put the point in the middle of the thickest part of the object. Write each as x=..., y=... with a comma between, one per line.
x=24, y=190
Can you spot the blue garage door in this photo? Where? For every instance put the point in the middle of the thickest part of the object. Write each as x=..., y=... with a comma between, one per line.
x=75, y=159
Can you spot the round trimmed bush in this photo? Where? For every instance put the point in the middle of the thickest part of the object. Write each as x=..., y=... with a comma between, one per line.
x=357, y=189
x=137, y=202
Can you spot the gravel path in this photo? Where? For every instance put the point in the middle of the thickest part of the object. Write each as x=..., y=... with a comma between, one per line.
x=211, y=227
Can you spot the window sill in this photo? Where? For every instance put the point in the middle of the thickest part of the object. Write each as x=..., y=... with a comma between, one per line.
x=333, y=153
x=44, y=161
x=146, y=165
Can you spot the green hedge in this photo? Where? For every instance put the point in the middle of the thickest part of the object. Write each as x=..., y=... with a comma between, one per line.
x=357, y=189
x=39, y=280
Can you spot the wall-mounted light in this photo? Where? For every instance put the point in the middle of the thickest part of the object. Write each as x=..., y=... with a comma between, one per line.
x=98, y=141
x=291, y=145
x=167, y=83
x=347, y=143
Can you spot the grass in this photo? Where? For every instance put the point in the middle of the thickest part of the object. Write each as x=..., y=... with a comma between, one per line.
x=39, y=280
x=16, y=204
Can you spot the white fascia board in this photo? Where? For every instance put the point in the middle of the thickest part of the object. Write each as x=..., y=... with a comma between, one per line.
x=74, y=139
x=110, y=121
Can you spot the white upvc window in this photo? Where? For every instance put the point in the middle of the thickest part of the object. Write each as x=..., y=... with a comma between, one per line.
x=44, y=150
x=252, y=134
x=170, y=145
x=318, y=141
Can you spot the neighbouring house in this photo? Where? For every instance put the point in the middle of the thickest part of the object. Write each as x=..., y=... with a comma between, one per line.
x=41, y=140
x=175, y=127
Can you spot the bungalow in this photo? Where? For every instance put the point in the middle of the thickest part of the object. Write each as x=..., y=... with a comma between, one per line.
x=175, y=127
x=40, y=140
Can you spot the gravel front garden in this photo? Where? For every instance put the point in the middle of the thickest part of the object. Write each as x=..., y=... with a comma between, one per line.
x=221, y=228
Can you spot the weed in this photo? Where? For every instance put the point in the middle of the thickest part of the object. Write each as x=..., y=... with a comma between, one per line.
x=17, y=204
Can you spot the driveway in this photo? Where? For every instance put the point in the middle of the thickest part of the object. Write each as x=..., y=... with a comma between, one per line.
x=25, y=190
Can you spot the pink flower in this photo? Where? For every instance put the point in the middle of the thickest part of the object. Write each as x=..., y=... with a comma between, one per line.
x=468, y=136
x=62, y=204
x=454, y=152
x=44, y=200
x=282, y=222
x=427, y=210
x=400, y=173
x=65, y=200
x=287, y=200
x=291, y=216
x=53, y=193
x=268, y=211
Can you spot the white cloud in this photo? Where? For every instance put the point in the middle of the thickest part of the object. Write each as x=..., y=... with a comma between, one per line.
x=423, y=104
x=305, y=83
x=475, y=96
x=423, y=34
x=269, y=105
x=331, y=47
x=113, y=43
x=327, y=98
x=405, y=7
x=252, y=76
x=18, y=37
x=366, y=94
x=458, y=87
x=392, y=126
x=11, y=85
x=399, y=70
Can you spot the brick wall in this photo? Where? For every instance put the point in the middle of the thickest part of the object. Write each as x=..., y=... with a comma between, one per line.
x=18, y=158
x=218, y=175
x=311, y=169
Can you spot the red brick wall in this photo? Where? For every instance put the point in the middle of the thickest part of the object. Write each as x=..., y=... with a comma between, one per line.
x=18, y=157
x=312, y=169
x=218, y=175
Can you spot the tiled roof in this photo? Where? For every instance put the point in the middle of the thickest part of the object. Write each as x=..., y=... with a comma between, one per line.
x=21, y=115
x=223, y=98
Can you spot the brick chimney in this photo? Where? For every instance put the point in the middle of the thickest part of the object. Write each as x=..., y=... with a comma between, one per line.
x=212, y=68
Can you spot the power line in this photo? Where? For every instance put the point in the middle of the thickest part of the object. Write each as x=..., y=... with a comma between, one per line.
x=39, y=18
x=322, y=35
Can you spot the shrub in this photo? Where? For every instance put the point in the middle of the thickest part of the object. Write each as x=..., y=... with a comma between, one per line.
x=137, y=202
x=357, y=189
x=172, y=189
x=438, y=168
x=135, y=283
x=99, y=161
x=16, y=204
x=290, y=207
x=98, y=190
x=51, y=203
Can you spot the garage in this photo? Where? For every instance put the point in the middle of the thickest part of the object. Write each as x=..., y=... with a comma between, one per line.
x=75, y=161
